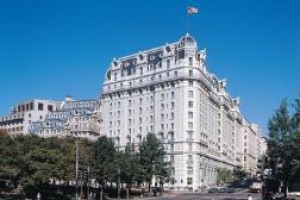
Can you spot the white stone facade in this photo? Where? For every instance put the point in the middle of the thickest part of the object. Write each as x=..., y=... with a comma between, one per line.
x=168, y=91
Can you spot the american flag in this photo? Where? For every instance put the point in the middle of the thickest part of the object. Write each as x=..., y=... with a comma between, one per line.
x=192, y=10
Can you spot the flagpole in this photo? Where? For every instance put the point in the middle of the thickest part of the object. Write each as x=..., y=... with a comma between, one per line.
x=187, y=20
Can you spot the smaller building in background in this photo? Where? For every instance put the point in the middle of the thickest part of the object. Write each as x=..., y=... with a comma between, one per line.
x=78, y=118
x=23, y=114
x=46, y=118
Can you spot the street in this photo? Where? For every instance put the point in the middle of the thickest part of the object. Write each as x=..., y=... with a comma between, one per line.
x=241, y=195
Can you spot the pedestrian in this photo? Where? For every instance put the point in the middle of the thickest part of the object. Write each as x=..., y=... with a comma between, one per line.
x=249, y=197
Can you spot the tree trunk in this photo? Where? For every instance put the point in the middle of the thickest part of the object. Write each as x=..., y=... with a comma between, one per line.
x=149, y=187
x=101, y=194
x=127, y=193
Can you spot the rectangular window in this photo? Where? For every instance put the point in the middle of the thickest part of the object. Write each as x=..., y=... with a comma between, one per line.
x=50, y=108
x=31, y=105
x=190, y=61
x=190, y=147
x=172, y=105
x=191, y=104
x=151, y=109
x=172, y=95
x=172, y=115
x=151, y=119
x=191, y=73
x=40, y=106
x=172, y=171
x=141, y=71
x=190, y=115
x=162, y=96
x=190, y=171
x=191, y=83
x=190, y=125
x=151, y=99
x=190, y=181
x=191, y=93
x=168, y=64
x=129, y=102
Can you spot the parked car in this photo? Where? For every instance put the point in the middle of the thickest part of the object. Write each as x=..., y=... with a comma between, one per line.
x=223, y=190
x=213, y=190
x=230, y=190
x=256, y=187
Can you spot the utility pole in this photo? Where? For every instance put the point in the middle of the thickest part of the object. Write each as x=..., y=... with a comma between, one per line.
x=76, y=167
x=118, y=183
x=88, y=180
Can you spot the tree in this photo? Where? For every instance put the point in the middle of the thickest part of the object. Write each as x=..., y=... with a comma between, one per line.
x=224, y=175
x=3, y=132
x=10, y=159
x=283, y=151
x=152, y=159
x=104, y=162
x=239, y=174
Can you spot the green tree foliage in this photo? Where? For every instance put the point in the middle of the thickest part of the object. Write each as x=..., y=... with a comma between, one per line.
x=283, y=149
x=105, y=163
x=131, y=169
x=239, y=174
x=32, y=161
x=224, y=176
x=152, y=158
x=10, y=158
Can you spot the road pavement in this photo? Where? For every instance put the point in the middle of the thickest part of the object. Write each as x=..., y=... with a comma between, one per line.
x=240, y=195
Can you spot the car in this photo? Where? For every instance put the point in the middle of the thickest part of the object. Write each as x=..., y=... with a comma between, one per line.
x=223, y=190
x=230, y=190
x=256, y=187
x=213, y=190
x=243, y=183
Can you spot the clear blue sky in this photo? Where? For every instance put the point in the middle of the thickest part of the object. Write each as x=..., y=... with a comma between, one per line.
x=53, y=48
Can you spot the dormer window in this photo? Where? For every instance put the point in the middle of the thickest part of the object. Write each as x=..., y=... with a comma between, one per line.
x=168, y=49
x=152, y=57
x=141, y=57
x=126, y=64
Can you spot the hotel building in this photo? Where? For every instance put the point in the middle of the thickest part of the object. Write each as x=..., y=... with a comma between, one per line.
x=169, y=91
